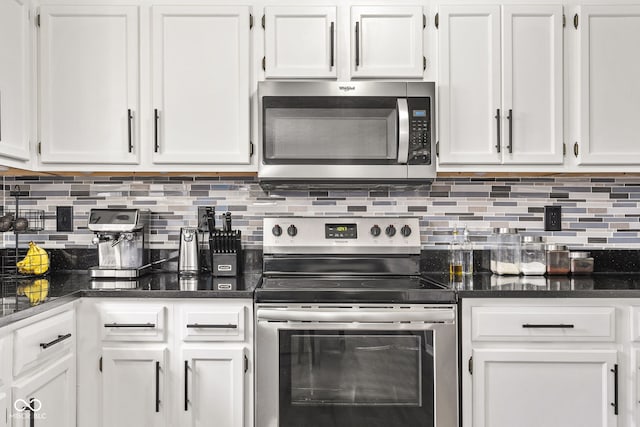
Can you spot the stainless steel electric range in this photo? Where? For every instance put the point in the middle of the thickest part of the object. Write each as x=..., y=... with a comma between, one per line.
x=348, y=332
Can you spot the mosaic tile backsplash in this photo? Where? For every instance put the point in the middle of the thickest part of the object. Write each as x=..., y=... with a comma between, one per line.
x=597, y=212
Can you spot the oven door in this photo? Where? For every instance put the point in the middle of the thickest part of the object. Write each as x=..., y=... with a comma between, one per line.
x=356, y=367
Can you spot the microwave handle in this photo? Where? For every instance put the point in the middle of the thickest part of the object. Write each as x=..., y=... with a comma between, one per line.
x=403, y=130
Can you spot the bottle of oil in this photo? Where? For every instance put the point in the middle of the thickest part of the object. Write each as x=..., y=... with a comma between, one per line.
x=455, y=255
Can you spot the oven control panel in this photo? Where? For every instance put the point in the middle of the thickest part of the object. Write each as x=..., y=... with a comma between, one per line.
x=341, y=235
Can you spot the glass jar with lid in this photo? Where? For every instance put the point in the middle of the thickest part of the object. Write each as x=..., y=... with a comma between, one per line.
x=533, y=258
x=581, y=262
x=505, y=251
x=558, y=259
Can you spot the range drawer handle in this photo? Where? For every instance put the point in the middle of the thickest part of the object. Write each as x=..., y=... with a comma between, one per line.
x=129, y=325
x=211, y=326
x=60, y=338
x=549, y=326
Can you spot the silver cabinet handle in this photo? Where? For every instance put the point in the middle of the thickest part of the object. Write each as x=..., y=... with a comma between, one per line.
x=403, y=130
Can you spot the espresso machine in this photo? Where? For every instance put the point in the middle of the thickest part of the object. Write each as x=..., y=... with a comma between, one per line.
x=122, y=237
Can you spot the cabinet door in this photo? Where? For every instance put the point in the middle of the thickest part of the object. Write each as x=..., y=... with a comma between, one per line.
x=609, y=85
x=48, y=397
x=133, y=387
x=200, y=84
x=551, y=388
x=300, y=42
x=532, y=84
x=89, y=84
x=469, y=73
x=14, y=76
x=4, y=406
x=386, y=41
x=213, y=380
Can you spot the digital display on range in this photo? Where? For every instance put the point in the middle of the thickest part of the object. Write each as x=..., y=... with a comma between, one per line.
x=419, y=113
x=341, y=231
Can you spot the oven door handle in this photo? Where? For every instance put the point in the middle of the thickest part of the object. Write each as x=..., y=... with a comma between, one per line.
x=403, y=131
x=427, y=316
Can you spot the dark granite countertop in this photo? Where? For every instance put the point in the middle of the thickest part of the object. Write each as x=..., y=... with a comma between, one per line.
x=22, y=298
x=596, y=285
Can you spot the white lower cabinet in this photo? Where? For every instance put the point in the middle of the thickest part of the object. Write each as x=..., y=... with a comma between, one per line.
x=533, y=388
x=213, y=381
x=47, y=397
x=134, y=387
x=5, y=406
x=5, y=380
x=167, y=363
x=543, y=362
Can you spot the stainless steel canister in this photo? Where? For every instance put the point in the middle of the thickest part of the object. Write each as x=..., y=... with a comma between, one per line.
x=189, y=253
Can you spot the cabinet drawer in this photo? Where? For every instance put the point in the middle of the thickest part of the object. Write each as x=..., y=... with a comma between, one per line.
x=133, y=322
x=543, y=323
x=211, y=323
x=40, y=341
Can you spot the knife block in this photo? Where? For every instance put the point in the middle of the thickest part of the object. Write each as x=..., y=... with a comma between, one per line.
x=226, y=253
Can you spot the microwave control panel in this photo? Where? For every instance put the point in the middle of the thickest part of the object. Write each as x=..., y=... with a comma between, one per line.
x=419, y=131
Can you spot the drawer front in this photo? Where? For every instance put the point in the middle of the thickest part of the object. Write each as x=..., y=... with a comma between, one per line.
x=526, y=323
x=133, y=322
x=212, y=323
x=43, y=340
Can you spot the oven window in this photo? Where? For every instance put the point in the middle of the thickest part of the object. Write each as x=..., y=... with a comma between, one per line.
x=349, y=378
x=330, y=129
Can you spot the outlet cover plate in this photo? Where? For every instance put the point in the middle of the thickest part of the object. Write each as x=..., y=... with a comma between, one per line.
x=64, y=218
x=553, y=218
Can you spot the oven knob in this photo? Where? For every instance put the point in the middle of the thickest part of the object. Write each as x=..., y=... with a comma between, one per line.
x=292, y=230
x=390, y=231
x=405, y=231
x=375, y=231
x=276, y=230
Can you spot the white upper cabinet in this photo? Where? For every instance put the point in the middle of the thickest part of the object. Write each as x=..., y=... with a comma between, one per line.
x=501, y=85
x=14, y=79
x=300, y=42
x=375, y=42
x=89, y=84
x=609, y=85
x=469, y=84
x=386, y=41
x=200, y=78
x=532, y=84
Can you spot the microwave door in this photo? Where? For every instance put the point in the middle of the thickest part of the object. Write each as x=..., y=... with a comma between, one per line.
x=403, y=131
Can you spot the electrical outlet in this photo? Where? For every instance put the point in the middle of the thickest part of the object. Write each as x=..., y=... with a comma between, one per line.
x=553, y=218
x=64, y=218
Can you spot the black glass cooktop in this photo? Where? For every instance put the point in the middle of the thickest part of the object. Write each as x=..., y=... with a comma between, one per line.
x=331, y=288
x=348, y=282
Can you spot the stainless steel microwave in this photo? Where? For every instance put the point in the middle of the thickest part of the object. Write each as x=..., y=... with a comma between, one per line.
x=346, y=132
